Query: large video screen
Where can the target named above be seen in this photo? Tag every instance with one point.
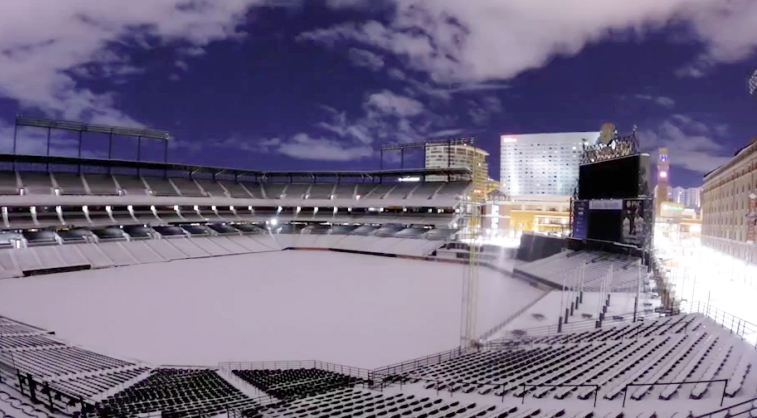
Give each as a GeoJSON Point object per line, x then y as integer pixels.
{"type": "Point", "coordinates": [622, 178]}
{"type": "Point", "coordinates": [625, 221]}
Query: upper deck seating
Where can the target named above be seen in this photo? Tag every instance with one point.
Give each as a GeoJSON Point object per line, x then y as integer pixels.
{"type": "Point", "coordinates": [161, 186]}
{"type": "Point", "coordinates": [236, 190]}
{"type": "Point", "coordinates": [275, 190]}
{"type": "Point", "coordinates": [295, 191]}
{"type": "Point", "coordinates": [320, 191]}
{"type": "Point", "coordinates": [380, 191]}
{"type": "Point", "coordinates": [187, 187]}
{"type": "Point", "coordinates": [426, 190]}
{"type": "Point", "coordinates": [212, 187]}
{"type": "Point", "coordinates": [36, 182]}
{"type": "Point", "coordinates": [8, 183]}
{"type": "Point", "coordinates": [132, 185]}
{"type": "Point", "coordinates": [364, 189]}
{"type": "Point", "coordinates": [70, 184]}
{"type": "Point", "coordinates": [454, 188]}
{"type": "Point", "coordinates": [344, 191]}
{"type": "Point", "coordinates": [402, 190]}
{"type": "Point", "coordinates": [101, 184]}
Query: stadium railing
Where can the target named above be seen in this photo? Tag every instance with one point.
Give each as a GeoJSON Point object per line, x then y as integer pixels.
{"type": "Point", "coordinates": [742, 328]}
{"type": "Point", "coordinates": [735, 410]}
{"type": "Point", "coordinates": [412, 365]}
{"type": "Point", "coordinates": [576, 326]}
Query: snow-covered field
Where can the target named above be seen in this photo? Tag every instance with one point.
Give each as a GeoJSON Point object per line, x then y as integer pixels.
{"type": "Point", "coordinates": [358, 310]}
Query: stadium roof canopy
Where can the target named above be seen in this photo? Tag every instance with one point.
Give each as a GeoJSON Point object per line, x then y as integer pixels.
{"type": "Point", "coordinates": [6, 159]}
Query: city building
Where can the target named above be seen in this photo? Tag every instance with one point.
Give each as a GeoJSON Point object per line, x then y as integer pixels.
{"type": "Point", "coordinates": [675, 194]}
{"type": "Point", "coordinates": [692, 198]}
{"type": "Point", "coordinates": [753, 85]}
{"type": "Point", "coordinates": [726, 204]}
{"type": "Point", "coordinates": [507, 217]}
{"type": "Point", "coordinates": [460, 156]}
{"type": "Point", "coordinates": [662, 190]}
{"type": "Point", "coordinates": [542, 164]}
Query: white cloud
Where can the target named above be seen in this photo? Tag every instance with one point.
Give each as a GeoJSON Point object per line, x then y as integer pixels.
{"type": "Point", "coordinates": [446, 133]}
{"type": "Point", "coordinates": [397, 74]}
{"type": "Point", "coordinates": [391, 103]}
{"type": "Point", "coordinates": [304, 147]}
{"type": "Point", "coordinates": [481, 111]}
{"type": "Point", "coordinates": [182, 64]}
{"type": "Point", "coordinates": [665, 101]}
{"type": "Point", "coordinates": [45, 44]}
{"type": "Point", "coordinates": [479, 40]}
{"type": "Point", "coordinates": [364, 58]}
{"type": "Point", "coordinates": [660, 100]}
{"type": "Point", "coordinates": [691, 144]}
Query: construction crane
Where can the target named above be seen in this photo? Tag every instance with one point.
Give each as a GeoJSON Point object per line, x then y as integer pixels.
{"type": "Point", "coordinates": [473, 208]}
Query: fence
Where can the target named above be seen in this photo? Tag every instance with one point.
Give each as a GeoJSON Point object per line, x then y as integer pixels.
{"type": "Point", "coordinates": [735, 410]}
{"type": "Point", "coordinates": [412, 365]}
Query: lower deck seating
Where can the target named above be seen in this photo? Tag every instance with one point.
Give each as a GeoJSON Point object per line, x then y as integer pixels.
{"type": "Point", "coordinates": [87, 387]}
{"type": "Point", "coordinates": [348, 403]}
{"type": "Point", "coordinates": [179, 391]}
{"type": "Point", "coordinates": [297, 383]}
{"type": "Point", "coordinates": [53, 361]}
{"type": "Point", "coordinates": [680, 348]}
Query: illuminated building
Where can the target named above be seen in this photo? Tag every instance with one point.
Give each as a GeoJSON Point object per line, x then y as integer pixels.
{"type": "Point", "coordinates": [663, 179]}
{"type": "Point", "coordinates": [542, 164]}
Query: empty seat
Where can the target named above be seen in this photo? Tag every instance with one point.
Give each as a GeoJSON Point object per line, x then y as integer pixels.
{"type": "Point", "coordinates": [274, 190]}
{"type": "Point", "coordinates": [8, 183]}
{"type": "Point", "coordinates": [101, 184]}
{"type": "Point", "coordinates": [236, 189]}
{"type": "Point", "coordinates": [133, 185]}
{"type": "Point", "coordinates": [37, 182]}
{"type": "Point", "coordinates": [212, 187]}
{"type": "Point", "coordinates": [187, 187]}
{"type": "Point", "coordinates": [161, 186]}
{"type": "Point", "coordinates": [320, 191]}
{"type": "Point", "coordinates": [70, 184]}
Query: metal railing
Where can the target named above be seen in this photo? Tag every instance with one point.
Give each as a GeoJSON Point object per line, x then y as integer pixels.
{"type": "Point", "coordinates": [744, 329]}
{"type": "Point", "coordinates": [576, 326]}
{"type": "Point", "coordinates": [734, 410]}
{"type": "Point", "coordinates": [415, 364]}
{"type": "Point", "coordinates": [722, 397]}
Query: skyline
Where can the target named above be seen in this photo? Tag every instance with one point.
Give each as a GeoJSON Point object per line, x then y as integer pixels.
{"type": "Point", "coordinates": [323, 84]}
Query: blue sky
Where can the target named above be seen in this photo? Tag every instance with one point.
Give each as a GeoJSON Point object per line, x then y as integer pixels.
{"type": "Point", "coordinates": [297, 84]}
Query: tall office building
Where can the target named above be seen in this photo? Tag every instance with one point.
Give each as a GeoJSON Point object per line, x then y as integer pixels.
{"type": "Point", "coordinates": [675, 194]}
{"type": "Point", "coordinates": [542, 164]}
{"type": "Point", "coordinates": [753, 85]}
{"type": "Point", "coordinates": [459, 156]}
{"type": "Point", "coordinates": [663, 181]}
{"type": "Point", "coordinates": [692, 197]}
